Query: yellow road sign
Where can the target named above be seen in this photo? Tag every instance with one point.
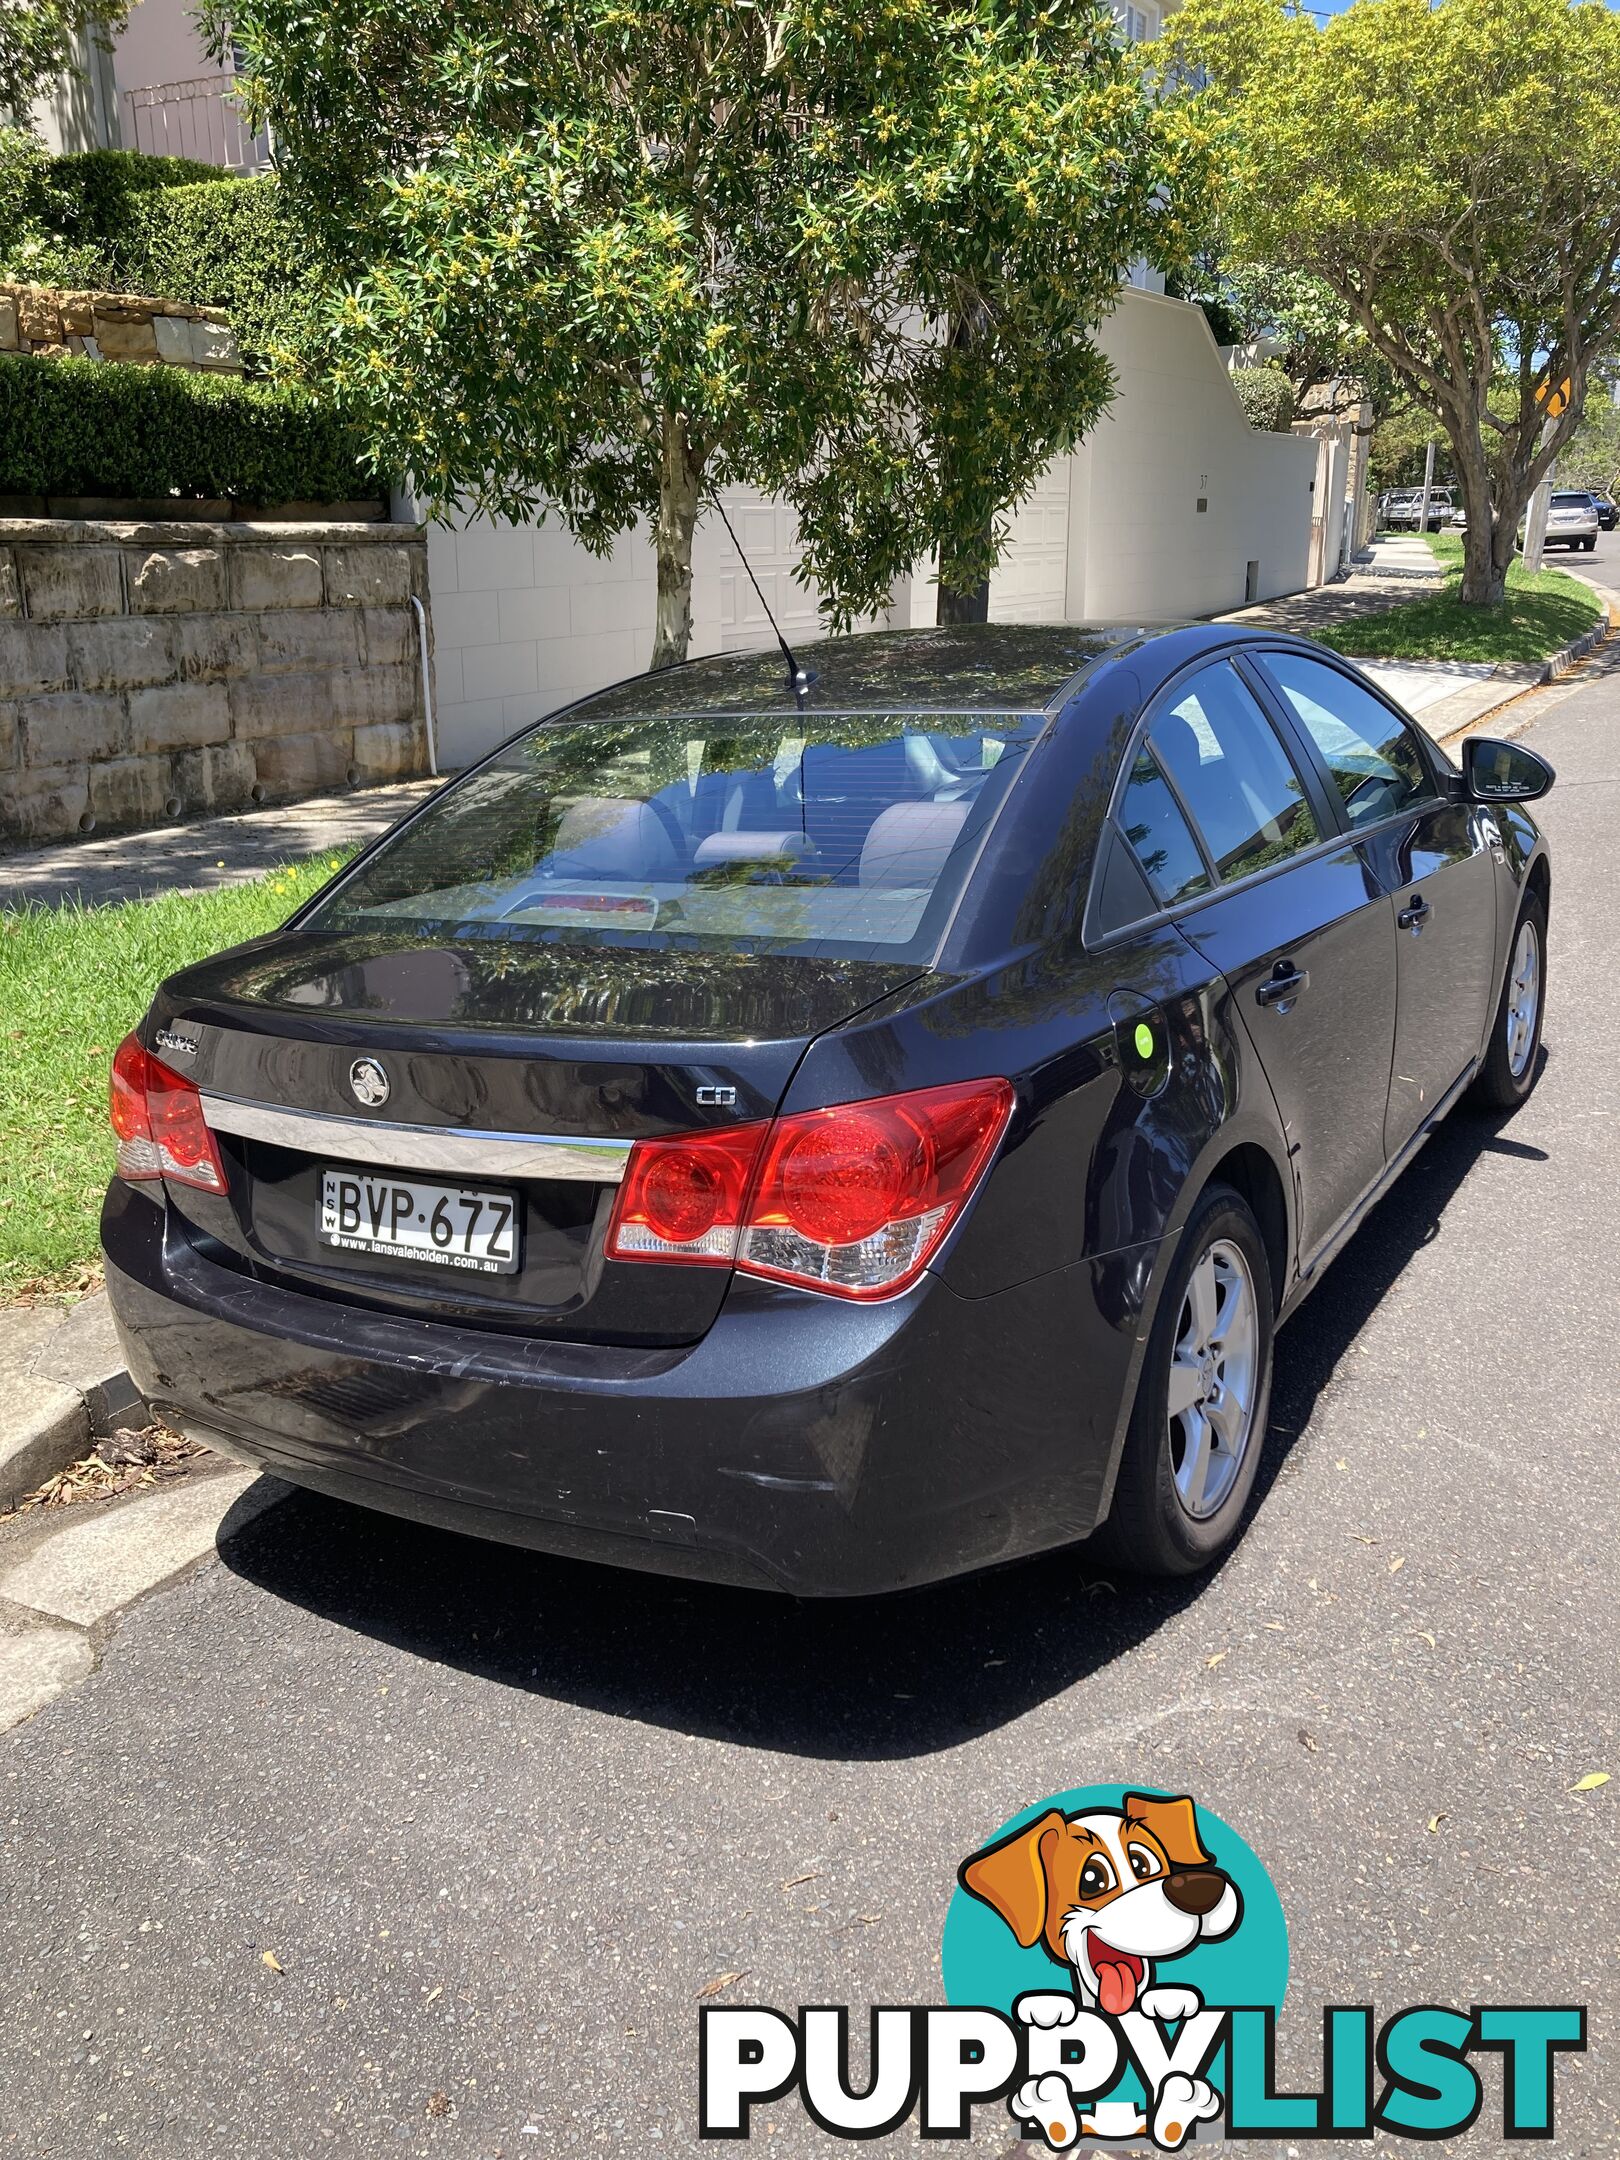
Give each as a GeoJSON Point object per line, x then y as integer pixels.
{"type": "Point", "coordinates": [1554, 403]}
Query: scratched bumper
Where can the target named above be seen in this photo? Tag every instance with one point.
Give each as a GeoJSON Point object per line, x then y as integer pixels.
{"type": "Point", "coordinates": [802, 1444]}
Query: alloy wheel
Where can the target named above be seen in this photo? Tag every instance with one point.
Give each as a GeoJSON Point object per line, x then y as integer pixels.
{"type": "Point", "coordinates": [1213, 1371]}
{"type": "Point", "coordinates": [1523, 999]}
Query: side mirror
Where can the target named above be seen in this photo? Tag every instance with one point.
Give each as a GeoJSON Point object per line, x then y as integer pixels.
{"type": "Point", "coordinates": [1496, 772]}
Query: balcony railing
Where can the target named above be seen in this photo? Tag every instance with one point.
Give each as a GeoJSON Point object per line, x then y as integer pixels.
{"type": "Point", "coordinates": [198, 119]}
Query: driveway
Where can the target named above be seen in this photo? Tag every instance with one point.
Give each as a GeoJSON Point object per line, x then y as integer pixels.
{"type": "Point", "coordinates": [366, 1840]}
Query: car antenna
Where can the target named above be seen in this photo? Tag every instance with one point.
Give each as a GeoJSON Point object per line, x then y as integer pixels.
{"type": "Point", "coordinates": [799, 679]}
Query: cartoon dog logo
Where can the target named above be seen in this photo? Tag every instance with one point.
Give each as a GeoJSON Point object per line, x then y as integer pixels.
{"type": "Point", "coordinates": [1111, 1894]}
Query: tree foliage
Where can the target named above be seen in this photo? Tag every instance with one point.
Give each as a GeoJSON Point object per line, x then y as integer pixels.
{"type": "Point", "coordinates": [39, 40]}
{"type": "Point", "coordinates": [1451, 174]}
{"type": "Point", "coordinates": [1592, 458]}
{"type": "Point", "coordinates": [600, 258]}
{"type": "Point", "coordinates": [1313, 336]}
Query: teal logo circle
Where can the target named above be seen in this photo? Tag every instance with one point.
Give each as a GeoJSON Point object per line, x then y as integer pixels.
{"type": "Point", "coordinates": [983, 1961]}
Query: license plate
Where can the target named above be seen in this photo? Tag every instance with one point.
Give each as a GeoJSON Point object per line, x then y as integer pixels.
{"type": "Point", "coordinates": [454, 1226]}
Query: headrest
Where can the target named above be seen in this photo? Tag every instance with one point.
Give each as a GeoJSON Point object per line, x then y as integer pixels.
{"type": "Point", "coordinates": [723, 847]}
{"type": "Point", "coordinates": [609, 836]}
{"type": "Point", "coordinates": [909, 842]}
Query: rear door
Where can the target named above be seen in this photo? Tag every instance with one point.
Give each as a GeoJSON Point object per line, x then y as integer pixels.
{"type": "Point", "coordinates": [1431, 855]}
{"type": "Point", "coordinates": [1296, 922]}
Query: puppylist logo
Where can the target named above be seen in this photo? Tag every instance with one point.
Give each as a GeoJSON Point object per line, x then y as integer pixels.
{"type": "Point", "coordinates": [1114, 1962]}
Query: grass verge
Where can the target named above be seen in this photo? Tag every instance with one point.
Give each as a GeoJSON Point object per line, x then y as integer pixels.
{"type": "Point", "coordinates": [1540, 615]}
{"type": "Point", "coordinates": [73, 982]}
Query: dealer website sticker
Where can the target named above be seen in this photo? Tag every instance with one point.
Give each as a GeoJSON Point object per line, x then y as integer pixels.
{"type": "Point", "coordinates": [1114, 1963]}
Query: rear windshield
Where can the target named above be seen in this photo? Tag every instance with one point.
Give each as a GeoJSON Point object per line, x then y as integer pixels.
{"type": "Point", "coordinates": [1572, 502]}
{"type": "Point", "coordinates": [818, 834]}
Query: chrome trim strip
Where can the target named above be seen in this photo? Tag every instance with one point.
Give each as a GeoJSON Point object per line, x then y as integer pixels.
{"type": "Point", "coordinates": [422, 1147]}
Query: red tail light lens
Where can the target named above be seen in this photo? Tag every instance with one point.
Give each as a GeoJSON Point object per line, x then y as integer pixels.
{"type": "Point", "coordinates": [158, 1120]}
{"type": "Point", "coordinates": [853, 1200]}
{"type": "Point", "coordinates": [683, 1199]}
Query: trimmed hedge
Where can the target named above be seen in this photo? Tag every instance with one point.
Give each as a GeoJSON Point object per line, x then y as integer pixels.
{"type": "Point", "coordinates": [228, 244]}
{"type": "Point", "coordinates": [84, 427]}
{"type": "Point", "coordinates": [91, 196]}
{"type": "Point", "coordinates": [1267, 398]}
{"type": "Point", "coordinates": [123, 222]}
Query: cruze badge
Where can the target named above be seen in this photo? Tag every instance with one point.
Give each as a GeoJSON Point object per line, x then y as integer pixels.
{"type": "Point", "coordinates": [369, 1082]}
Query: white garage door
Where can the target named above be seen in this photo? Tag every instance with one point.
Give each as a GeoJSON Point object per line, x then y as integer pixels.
{"type": "Point", "coordinates": [769, 535]}
{"type": "Point", "coordinates": [1031, 580]}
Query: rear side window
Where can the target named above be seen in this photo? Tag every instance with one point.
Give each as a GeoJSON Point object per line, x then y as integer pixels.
{"type": "Point", "coordinates": [848, 834]}
{"type": "Point", "coordinates": [1159, 836]}
{"type": "Point", "coordinates": [1232, 773]}
{"type": "Point", "coordinates": [1374, 761]}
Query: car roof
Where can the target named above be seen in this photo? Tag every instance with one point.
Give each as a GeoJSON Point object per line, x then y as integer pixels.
{"type": "Point", "coordinates": [977, 667]}
{"type": "Point", "coordinates": [1027, 668]}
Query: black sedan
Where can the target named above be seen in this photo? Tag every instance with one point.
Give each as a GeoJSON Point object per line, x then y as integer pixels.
{"type": "Point", "coordinates": [832, 1137]}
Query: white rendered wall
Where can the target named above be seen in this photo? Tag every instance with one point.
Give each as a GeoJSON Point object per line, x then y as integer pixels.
{"type": "Point", "coordinates": [1140, 549]}
{"type": "Point", "coordinates": [525, 619]}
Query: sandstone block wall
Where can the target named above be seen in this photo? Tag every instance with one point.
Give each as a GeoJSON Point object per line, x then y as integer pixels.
{"type": "Point", "coordinates": [155, 671]}
{"type": "Point", "coordinates": [117, 326]}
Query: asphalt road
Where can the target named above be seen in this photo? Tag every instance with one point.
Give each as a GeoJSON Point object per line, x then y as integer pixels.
{"type": "Point", "coordinates": [498, 1821]}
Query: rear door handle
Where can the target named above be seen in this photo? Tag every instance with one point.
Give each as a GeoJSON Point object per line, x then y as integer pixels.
{"type": "Point", "coordinates": [1415, 914]}
{"type": "Point", "coordinates": [1283, 984]}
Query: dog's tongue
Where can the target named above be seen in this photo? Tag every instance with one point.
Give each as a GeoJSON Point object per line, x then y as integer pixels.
{"type": "Point", "coordinates": [1116, 1985]}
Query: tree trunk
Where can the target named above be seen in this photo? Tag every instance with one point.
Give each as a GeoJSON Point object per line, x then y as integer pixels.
{"type": "Point", "coordinates": [956, 601]}
{"type": "Point", "coordinates": [1483, 583]}
{"type": "Point", "coordinates": [1485, 556]}
{"type": "Point", "coordinates": [953, 605]}
{"type": "Point", "coordinates": [680, 487]}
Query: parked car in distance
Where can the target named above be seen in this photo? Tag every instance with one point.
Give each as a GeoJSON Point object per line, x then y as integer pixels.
{"type": "Point", "coordinates": [1608, 510]}
{"type": "Point", "coordinates": [832, 1138]}
{"type": "Point", "coordinates": [1572, 520]}
{"type": "Point", "coordinates": [1402, 511]}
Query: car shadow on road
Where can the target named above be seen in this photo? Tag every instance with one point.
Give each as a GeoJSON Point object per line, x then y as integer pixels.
{"type": "Point", "coordinates": [862, 1680]}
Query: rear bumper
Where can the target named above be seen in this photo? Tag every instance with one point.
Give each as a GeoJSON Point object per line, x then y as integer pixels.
{"type": "Point", "coordinates": [802, 1444]}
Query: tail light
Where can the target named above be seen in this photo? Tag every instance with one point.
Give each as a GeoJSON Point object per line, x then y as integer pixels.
{"type": "Point", "coordinates": [854, 1200]}
{"type": "Point", "coordinates": [158, 1119]}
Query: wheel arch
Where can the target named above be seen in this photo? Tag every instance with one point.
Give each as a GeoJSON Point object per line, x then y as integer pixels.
{"type": "Point", "coordinates": [1254, 1176]}
{"type": "Point", "coordinates": [1255, 1165]}
{"type": "Point", "coordinates": [1538, 879]}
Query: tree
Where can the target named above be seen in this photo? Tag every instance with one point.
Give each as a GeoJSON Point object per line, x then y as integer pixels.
{"type": "Point", "coordinates": [1451, 174]}
{"type": "Point", "coordinates": [38, 40]}
{"type": "Point", "coordinates": [600, 258]}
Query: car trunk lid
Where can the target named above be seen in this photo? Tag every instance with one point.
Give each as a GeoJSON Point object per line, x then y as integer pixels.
{"type": "Point", "coordinates": [516, 1073]}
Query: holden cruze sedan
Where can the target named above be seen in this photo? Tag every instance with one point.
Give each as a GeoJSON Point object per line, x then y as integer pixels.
{"type": "Point", "coordinates": [832, 1137]}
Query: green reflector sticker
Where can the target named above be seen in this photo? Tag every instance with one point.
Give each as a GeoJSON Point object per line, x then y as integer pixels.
{"type": "Point", "coordinates": [1144, 1039]}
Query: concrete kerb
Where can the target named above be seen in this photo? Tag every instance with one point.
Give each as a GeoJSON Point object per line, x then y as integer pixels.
{"type": "Point", "coordinates": [63, 1384]}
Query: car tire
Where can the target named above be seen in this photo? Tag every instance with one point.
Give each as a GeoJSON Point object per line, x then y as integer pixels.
{"type": "Point", "coordinates": [1509, 1071]}
{"type": "Point", "coordinates": [1589, 545]}
{"type": "Point", "coordinates": [1159, 1524]}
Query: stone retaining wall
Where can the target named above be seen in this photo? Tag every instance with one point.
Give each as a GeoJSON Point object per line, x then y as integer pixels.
{"type": "Point", "coordinates": [155, 671]}
{"type": "Point", "coordinates": [130, 327]}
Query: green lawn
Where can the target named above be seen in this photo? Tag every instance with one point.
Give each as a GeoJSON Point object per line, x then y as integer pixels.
{"type": "Point", "coordinates": [1540, 614]}
{"type": "Point", "coordinates": [73, 982]}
